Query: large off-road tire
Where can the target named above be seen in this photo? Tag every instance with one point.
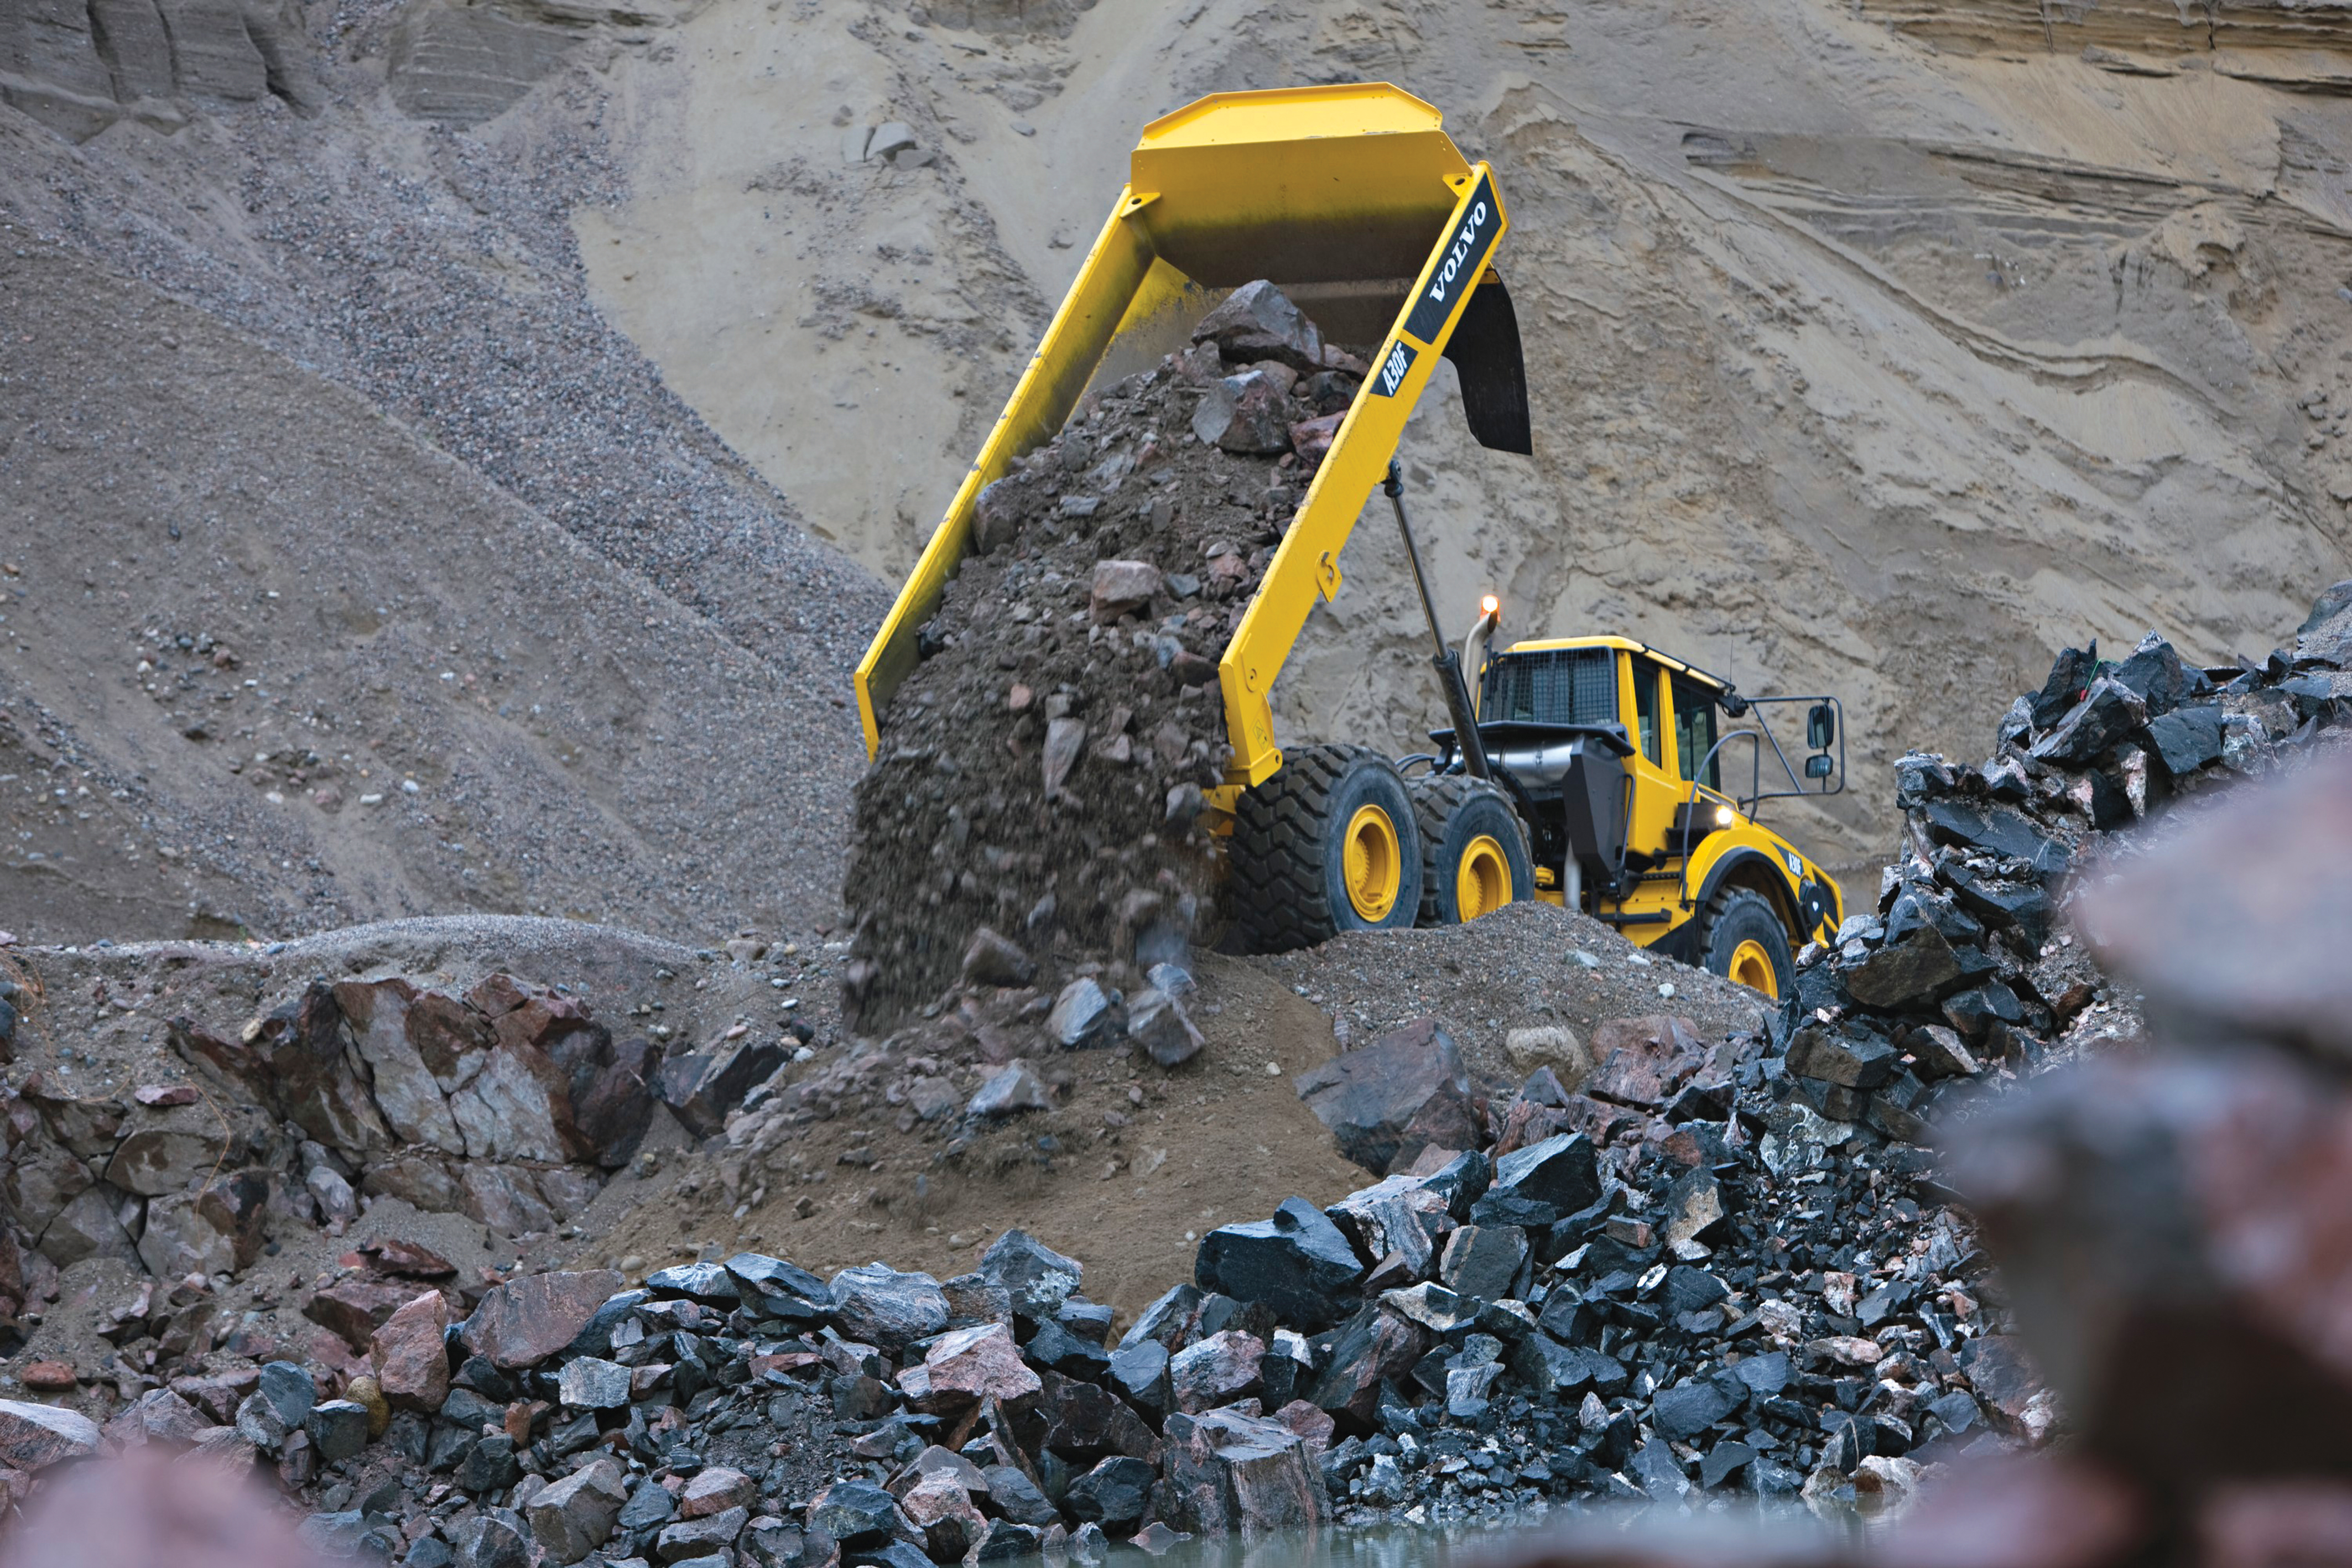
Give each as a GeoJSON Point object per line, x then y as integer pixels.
{"type": "Point", "coordinates": [1325, 845]}
{"type": "Point", "coordinates": [1474, 850]}
{"type": "Point", "coordinates": [1744, 942]}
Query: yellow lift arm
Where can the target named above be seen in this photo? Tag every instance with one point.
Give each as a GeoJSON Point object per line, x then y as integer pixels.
{"type": "Point", "coordinates": [1352, 185]}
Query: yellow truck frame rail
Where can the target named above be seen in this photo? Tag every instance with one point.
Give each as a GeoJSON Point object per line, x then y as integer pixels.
{"type": "Point", "coordinates": [1354, 184]}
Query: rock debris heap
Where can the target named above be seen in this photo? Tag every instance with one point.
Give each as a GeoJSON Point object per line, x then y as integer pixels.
{"type": "Point", "coordinates": [1963, 970]}
{"type": "Point", "coordinates": [1040, 770]}
{"type": "Point", "coordinates": [508, 1104]}
{"type": "Point", "coordinates": [2171, 1226]}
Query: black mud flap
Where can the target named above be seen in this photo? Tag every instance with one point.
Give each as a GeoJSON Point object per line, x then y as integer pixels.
{"type": "Point", "coordinates": [1484, 349]}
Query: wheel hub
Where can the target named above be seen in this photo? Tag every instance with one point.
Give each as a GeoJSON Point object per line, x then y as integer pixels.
{"type": "Point", "coordinates": [1751, 966]}
{"type": "Point", "coordinates": [1482, 883]}
{"type": "Point", "coordinates": [1371, 864]}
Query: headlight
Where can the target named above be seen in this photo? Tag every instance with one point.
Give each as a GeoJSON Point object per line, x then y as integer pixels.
{"type": "Point", "coordinates": [1725, 816]}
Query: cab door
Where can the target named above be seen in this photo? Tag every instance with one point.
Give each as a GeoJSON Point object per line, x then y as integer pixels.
{"type": "Point", "coordinates": [1654, 768]}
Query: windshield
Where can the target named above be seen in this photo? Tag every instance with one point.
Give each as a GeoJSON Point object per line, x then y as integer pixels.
{"type": "Point", "coordinates": [1563, 686]}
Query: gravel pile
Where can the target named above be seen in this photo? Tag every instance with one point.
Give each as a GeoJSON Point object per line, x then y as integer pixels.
{"type": "Point", "coordinates": [1040, 770]}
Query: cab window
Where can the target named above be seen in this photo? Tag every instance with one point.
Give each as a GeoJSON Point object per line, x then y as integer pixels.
{"type": "Point", "coordinates": [1695, 732]}
{"type": "Point", "coordinates": [1645, 705]}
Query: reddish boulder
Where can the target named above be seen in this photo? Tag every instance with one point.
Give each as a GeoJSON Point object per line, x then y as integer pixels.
{"type": "Point", "coordinates": [531, 1318]}
{"type": "Point", "coordinates": [410, 1355]}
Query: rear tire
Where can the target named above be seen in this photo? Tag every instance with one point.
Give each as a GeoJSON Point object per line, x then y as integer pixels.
{"type": "Point", "coordinates": [1325, 845]}
{"type": "Point", "coordinates": [1747, 943]}
{"type": "Point", "coordinates": [1473, 850]}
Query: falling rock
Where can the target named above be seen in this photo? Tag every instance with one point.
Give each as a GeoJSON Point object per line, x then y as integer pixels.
{"type": "Point", "coordinates": [2109, 711]}
{"type": "Point", "coordinates": [1404, 1092]}
{"type": "Point", "coordinates": [1013, 1494]}
{"type": "Point", "coordinates": [90, 1226]}
{"type": "Point", "coordinates": [531, 1318]}
{"type": "Point", "coordinates": [1258, 321]}
{"type": "Point", "coordinates": [576, 1515]}
{"type": "Point", "coordinates": [1694, 1210]}
{"type": "Point", "coordinates": [875, 1304]}
{"type": "Point", "coordinates": [993, 960]}
{"type": "Point", "coordinates": [712, 1284]}
{"type": "Point", "coordinates": [1084, 1015]}
{"type": "Point", "coordinates": [1158, 1022]}
{"type": "Point", "coordinates": [703, 1087]}
{"type": "Point", "coordinates": [1295, 1262]}
{"type": "Point", "coordinates": [1064, 739]}
{"type": "Point", "coordinates": [1123, 588]}
{"type": "Point", "coordinates": [356, 1308]}
{"type": "Point", "coordinates": [1010, 1089]}
{"type": "Point", "coordinates": [1244, 414]}
{"type": "Point", "coordinates": [1217, 1370]}
{"type": "Point", "coordinates": [1037, 1278]}
{"type": "Point", "coordinates": [410, 1355]}
{"type": "Point", "coordinates": [587, 1383]}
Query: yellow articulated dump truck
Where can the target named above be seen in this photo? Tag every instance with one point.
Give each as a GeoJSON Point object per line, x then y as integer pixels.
{"type": "Point", "coordinates": [1587, 771]}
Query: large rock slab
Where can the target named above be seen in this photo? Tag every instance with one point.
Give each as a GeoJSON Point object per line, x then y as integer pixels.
{"type": "Point", "coordinates": [406, 1090]}
{"type": "Point", "coordinates": [531, 1318]}
{"type": "Point", "coordinates": [1297, 1262]}
{"type": "Point", "coordinates": [35, 1436]}
{"type": "Point", "coordinates": [1404, 1092]}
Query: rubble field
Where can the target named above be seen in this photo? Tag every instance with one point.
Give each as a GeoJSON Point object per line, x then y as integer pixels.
{"type": "Point", "coordinates": [1636, 1257]}
{"type": "Point", "coordinates": [1040, 772]}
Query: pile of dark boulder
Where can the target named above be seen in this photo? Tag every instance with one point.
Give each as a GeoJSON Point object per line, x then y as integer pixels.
{"type": "Point", "coordinates": [1964, 969]}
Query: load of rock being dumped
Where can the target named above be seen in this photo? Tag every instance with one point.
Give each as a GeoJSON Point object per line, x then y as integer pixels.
{"type": "Point", "coordinates": [1040, 771]}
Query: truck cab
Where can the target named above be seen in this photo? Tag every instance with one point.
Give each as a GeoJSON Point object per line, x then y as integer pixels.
{"type": "Point", "coordinates": [1614, 754]}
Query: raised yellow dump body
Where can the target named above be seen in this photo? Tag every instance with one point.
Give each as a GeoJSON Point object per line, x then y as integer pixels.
{"type": "Point", "coordinates": [1354, 185]}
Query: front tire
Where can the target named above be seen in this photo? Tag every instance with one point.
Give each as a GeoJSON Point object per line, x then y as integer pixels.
{"type": "Point", "coordinates": [1474, 851]}
{"type": "Point", "coordinates": [1327, 844]}
{"type": "Point", "coordinates": [1747, 943]}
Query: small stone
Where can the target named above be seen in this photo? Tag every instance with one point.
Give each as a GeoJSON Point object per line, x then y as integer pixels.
{"type": "Point", "coordinates": [1015, 1496]}
{"type": "Point", "coordinates": [1037, 1278]}
{"type": "Point", "coordinates": [1084, 1015]}
{"type": "Point", "coordinates": [49, 1377]}
{"type": "Point", "coordinates": [365, 1391]}
{"type": "Point", "coordinates": [573, 1516]}
{"type": "Point", "coordinates": [1010, 1089]}
{"type": "Point", "coordinates": [1115, 1492]}
{"type": "Point", "coordinates": [289, 1391]}
{"type": "Point", "coordinates": [994, 960]}
{"type": "Point", "coordinates": [1484, 1262]}
{"type": "Point", "coordinates": [1217, 1370]}
{"type": "Point", "coordinates": [856, 1514]}
{"type": "Point", "coordinates": [968, 1365]}
{"type": "Point", "coordinates": [338, 1429]}
{"type": "Point", "coordinates": [877, 1305]}
{"type": "Point", "coordinates": [1157, 1022]}
{"type": "Point", "coordinates": [707, 1536]}
{"type": "Point", "coordinates": [714, 1490]}
{"type": "Point", "coordinates": [410, 1354]}
{"type": "Point", "coordinates": [588, 1383]}
{"type": "Point", "coordinates": [1123, 588]}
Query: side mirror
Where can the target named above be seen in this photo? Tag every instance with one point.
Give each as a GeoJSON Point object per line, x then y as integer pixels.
{"type": "Point", "coordinates": [1820, 729]}
{"type": "Point", "coordinates": [1819, 766]}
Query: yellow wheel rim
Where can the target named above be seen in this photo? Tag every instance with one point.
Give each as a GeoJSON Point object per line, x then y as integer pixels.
{"type": "Point", "coordinates": [1482, 883]}
{"type": "Point", "coordinates": [1371, 863]}
{"type": "Point", "coordinates": [1751, 966]}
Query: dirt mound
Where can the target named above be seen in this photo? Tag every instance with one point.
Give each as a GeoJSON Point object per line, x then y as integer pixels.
{"type": "Point", "coordinates": [1040, 770]}
{"type": "Point", "coordinates": [278, 665]}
